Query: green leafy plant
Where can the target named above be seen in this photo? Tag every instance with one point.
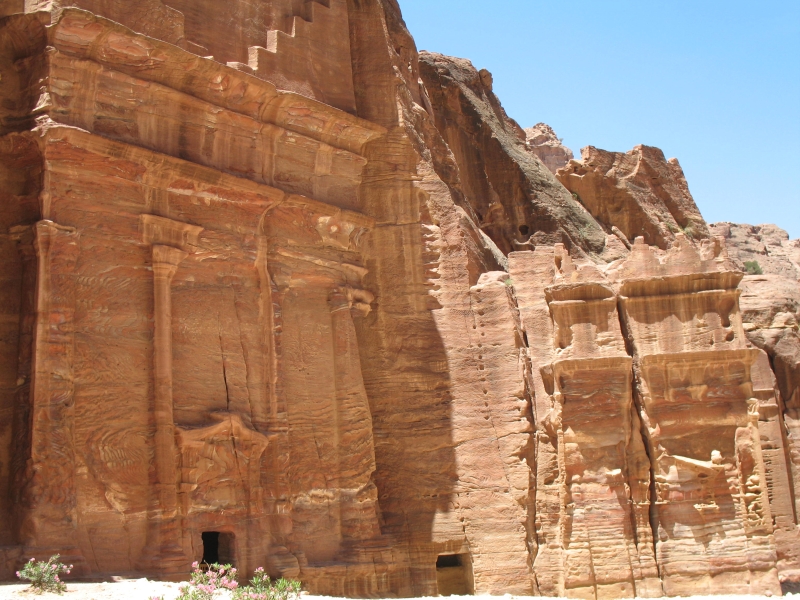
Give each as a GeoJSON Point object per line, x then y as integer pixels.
{"type": "Point", "coordinates": [751, 267]}
{"type": "Point", "coordinates": [45, 576]}
{"type": "Point", "coordinates": [262, 588]}
{"type": "Point", "coordinates": [207, 580]}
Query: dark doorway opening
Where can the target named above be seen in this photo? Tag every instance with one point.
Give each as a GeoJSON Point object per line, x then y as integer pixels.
{"type": "Point", "coordinates": [454, 575]}
{"type": "Point", "coordinates": [218, 547]}
{"type": "Point", "coordinates": [791, 587]}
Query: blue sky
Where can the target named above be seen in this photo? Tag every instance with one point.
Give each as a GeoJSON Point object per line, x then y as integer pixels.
{"type": "Point", "coordinates": [715, 83]}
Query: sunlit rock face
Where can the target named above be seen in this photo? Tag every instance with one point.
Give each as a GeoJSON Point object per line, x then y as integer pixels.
{"type": "Point", "coordinates": [277, 290]}
{"type": "Point", "coordinates": [639, 192]}
{"type": "Point", "coordinates": [544, 143]}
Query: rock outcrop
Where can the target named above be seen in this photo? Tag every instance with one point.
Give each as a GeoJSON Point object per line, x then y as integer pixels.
{"type": "Point", "coordinates": [639, 192]}
{"type": "Point", "coordinates": [545, 144]}
{"type": "Point", "coordinates": [509, 193]}
{"type": "Point", "coordinates": [279, 291]}
{"type": "Point", "coordinates": [771, 311]}
{"type": "Point", "coordinates": [764, 248]}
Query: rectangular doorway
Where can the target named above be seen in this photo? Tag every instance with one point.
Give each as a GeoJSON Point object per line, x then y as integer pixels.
{"type": "Point", "coordinates": [454, 575]}
{"type": "Point", "coordinates": [219, 547]}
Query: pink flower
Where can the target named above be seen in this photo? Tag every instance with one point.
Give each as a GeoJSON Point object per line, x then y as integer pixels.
{"type": "Point", "coordinates": [195, 564]}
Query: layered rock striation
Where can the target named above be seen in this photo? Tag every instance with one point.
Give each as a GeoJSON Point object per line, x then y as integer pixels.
{"type": "Point", "coordinates": [277, 290]}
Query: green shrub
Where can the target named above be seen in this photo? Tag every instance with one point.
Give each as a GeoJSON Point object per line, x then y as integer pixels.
{"type": "Point", "coordinates": [262, 588]}
{"type": "Point", "coordinates": [206, 582]}
{"type": "Point", "coordinates": [45, 576]}
{"type": "Point", "coordinates": [751, 267]}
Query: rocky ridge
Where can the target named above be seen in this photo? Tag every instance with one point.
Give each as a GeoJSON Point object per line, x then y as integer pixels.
{"type": "Point", "coordinates": [545, 144]}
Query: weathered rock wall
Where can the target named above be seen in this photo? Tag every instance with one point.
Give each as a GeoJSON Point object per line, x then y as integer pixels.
{"type": "Point", "coordinates": [513, 197]}
{"type": "Point", "coordinates": [545, 144]}
{"type": "Point", "coordinates": [771, 312]}
{"type": "Point", "coordinates": [638, 192]}
{"type": "Point", "coordinates": [430, 372]}
{"type": "Point", "coordinates": [300, 45]}
{"type": "Point", "coordinates": [344, 319]}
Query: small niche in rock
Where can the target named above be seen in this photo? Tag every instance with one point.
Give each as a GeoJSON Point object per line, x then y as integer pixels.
{"type": "Point", "coordinates": [454, 575]}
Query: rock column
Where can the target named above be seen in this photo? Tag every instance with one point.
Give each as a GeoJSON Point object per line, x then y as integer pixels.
{"type": "Point", "coordinates": [163, 552]}
{"type": "Point", "coordinates": [165, 264]}
{"type": "Point", "coordinates": [355, 445]}
{"type": "Point", "coordinates": [50, 523]}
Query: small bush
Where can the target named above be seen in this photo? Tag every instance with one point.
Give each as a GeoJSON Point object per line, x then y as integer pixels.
{"type": "Point", "coordinates": [751, 267]}
{"type": "Point", "coordinates": [204, 583]}
{"type": "Point", "coordinates": [261, 588]}
{"type": "Point", "coordinates": [45, 576]}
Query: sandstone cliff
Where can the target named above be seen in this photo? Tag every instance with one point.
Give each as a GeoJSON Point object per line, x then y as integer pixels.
{"type": "Point", "coordinates": [545, 144]}
{"type": "Point", "coordinates": [771, 311]}
{"type": "Point", "coordinates": [770, 294]}
{"type": "Point", "coordinates": [513, 197]}
{"type": "Point", "coordinates": [639, 192]}
{"type": "Point", "coordinates": [280, 291]}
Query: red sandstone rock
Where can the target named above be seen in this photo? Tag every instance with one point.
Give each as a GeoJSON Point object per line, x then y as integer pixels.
{"type": "Point", "coordinates": [275, 300]}
{"type": "Point", "coordinates": [771, 310]}
{"type": "Point", "coordinates": [640, 192]}
{"type": "Point", "coordinates": [511, 195]}
{"type": "Point", "coordinates": [767, 245]}
{"type": "Point", "coordinates": [544, 143]}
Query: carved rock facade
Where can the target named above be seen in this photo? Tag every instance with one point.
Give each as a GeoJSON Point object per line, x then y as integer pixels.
{"type": "Point", "coordinates": [277, 290]}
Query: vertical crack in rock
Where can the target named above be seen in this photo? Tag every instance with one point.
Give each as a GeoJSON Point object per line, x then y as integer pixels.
{"type": "Point", "coordinates": [223, 361]}
{"type": "Point", "coordinates": [636, 406]}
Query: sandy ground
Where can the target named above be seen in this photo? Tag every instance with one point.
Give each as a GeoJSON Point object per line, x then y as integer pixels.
{"type": "Point", "coordinates": [142, 589]}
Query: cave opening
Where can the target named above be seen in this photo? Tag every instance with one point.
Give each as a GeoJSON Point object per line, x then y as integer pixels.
{"type": "Point", "coordinates": [454, 575]}
{"type": "Point", "coordinates": [218, 547]}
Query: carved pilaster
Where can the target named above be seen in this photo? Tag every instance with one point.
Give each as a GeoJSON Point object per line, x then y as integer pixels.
{"type": "Point", "coordinates": [165, 264]}
{"type": "Point", "coordinates": [355, 446]}
{"type": "Point", "coordinates": [171, 242]}
{"type": "Point", "coordinates": [24, 238]}
{"type": "Point", "coordinates": [265, 413]}
{"type": "Point", "coordinates": [49, 524]}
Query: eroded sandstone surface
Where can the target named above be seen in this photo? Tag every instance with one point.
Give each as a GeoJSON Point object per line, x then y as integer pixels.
{"type": "Point", "coordinates": [639, 192]}
{"type": "Point", "coordinates": [545, 144]}
{"type": "Point", "coordinates": [280, 291]}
